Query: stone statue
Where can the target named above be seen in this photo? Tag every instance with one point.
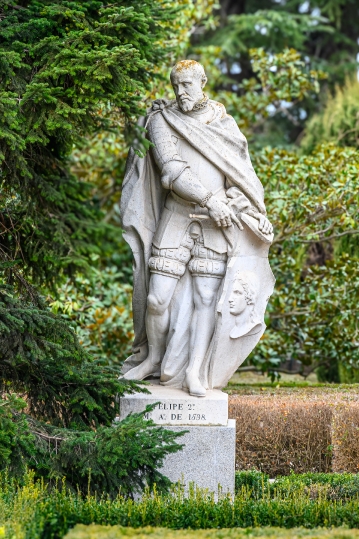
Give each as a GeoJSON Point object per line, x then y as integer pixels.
{"type": "Point", "coordinates": [193, 213]}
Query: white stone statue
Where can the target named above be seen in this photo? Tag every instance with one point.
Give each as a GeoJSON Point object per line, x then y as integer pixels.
{"type": "Point", "coordinates": [193, 213]}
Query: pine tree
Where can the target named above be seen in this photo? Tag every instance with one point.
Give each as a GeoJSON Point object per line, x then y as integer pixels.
{"type": "Point", "coordinates": [68, 70]}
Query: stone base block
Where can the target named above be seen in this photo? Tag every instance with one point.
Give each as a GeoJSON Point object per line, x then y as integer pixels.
{"type": "Point", "coordinates": [176, 407]}
{"type": "Point", "coordinates": [208, 458]}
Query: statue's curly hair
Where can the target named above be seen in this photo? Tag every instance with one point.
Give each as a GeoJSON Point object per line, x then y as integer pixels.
{"type": "Point", "coordinates": [190, 65]}
{"type": "Point", "coordinates": [250, 285]}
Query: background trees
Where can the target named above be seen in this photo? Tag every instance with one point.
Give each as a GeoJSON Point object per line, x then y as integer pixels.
{"type": "Point", "coordinates": [284, 101]}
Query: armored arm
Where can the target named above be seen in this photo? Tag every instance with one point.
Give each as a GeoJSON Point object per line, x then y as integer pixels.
{"type": "Point", "coordinates": [176, 173]}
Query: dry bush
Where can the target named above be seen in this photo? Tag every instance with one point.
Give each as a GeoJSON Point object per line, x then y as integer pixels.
{"type": "Point", "coordinates": [280, 434]}
{"type": "Point", "coordinates": [345, 437]}
{"type": "Point", "coordinates": [310, 431]}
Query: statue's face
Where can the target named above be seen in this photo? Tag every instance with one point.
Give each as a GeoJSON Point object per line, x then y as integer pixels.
{"type": "Point", "coordinates": [237, 299]}
{"type": "Point", "coordinates": [188, 88]}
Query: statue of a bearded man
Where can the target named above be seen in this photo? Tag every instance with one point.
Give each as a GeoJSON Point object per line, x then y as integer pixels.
{"type": "Point", "coordinates": [193, 213]}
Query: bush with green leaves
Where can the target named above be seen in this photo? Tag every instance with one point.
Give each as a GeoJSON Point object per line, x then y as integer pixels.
{"type": "Point", "coordinates": [312, 200]}
{"type": "Point", "coordinates": [116, 532]}
{"type": "Point", "coordinates": [99, 306]}
{"type": "Point", "coordinates": [33, 511]}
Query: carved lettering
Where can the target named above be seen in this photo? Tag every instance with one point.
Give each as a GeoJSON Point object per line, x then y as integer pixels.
{"type": "Point", "coordinates": [197, 417]}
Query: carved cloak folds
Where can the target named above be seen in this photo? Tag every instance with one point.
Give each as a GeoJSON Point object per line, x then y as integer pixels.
{"type": "Point", "coordinates": [142, 201]}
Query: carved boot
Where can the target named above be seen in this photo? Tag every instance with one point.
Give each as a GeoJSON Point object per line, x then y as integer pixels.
{"type": "Point", "coordinates": [148, 367]}
{"type": "Point", "coordinates": [194, 386]}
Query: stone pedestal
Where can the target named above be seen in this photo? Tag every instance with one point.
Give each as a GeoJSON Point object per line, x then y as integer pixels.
{"type": "Point", "coordinates": [208, 457]}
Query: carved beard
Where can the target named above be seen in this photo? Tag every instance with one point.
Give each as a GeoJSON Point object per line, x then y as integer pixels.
{"type": "Point", "coordinates": [186, 105]}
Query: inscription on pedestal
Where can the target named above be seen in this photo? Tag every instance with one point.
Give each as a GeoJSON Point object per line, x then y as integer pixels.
{"type": "Point", "coordinates": [177, 407]}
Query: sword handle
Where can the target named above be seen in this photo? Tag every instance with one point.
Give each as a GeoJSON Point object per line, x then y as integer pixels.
{"type": "Point", "coordinates": [195, 216]}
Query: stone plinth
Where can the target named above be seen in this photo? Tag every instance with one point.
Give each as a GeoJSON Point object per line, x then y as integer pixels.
{"type": "Point", "coordinates": [176, 407]}
{"type": "Point", "coordinates": [208, 458]}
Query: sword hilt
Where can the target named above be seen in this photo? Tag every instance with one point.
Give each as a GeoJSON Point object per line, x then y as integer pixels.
{"type": "Point", "coordinates": [195, 216]}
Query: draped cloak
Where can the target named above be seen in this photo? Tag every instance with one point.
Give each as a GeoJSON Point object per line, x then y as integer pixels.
{"type": "Point", "coordinates": [142, 202]}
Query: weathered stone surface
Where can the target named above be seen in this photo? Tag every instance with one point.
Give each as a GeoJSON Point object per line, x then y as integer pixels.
{"type": "Point", "coordinates": [193, 213]}
{"type": "Point", "coordinates": [208, 458]}
{"type": "Point", "coordinates": [177, 407]}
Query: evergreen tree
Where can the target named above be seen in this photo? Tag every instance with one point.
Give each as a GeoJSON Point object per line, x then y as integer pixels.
{"type": "Point", "coordinates": [68, 70]}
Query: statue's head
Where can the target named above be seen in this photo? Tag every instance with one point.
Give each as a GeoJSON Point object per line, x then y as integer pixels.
{"type": "Point", "coordinates": [244, 292]}
{"type": "Point", "coordinates": [188, 80]}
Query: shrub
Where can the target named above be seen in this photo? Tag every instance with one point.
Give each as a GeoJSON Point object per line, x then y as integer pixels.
{"type": "Point", "coordinates": [332, 486]}
{"type": "Point", "coordinates": [283, 432]}
{"type": "Point", "coordinates": [34, 511]}
{"type": "Point", "coordinates": [117, 532]}
{"type": "Point", "coordinates": [278, 435]}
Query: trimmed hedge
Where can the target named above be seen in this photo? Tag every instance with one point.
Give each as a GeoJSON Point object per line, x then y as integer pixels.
{"type": "Point", "coordinates": [33, 511]}
{"type": "Point", "coordinates": [281, 431]}
{"type": "Point", "coordinates": [331, 486]}
{"type": "Point", "coordinates": [118, 532]}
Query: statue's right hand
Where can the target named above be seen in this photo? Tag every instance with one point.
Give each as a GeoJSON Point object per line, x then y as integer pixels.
{"type": "Point", "coordinates": [221, 213]}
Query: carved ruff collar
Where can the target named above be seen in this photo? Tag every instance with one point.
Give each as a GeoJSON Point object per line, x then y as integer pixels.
{"type": "Point", "coordinates": [201, 104]}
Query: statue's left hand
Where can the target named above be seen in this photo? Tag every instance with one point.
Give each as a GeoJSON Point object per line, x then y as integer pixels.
{"type": "Point", "coordinates": [159, 104]}
{"type": "Point", "coordinates": [264, 225]}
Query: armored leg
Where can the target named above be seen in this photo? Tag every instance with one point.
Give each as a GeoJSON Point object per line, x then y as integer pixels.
{"type": "Point", "coordinates": [208, 269]}
{"type": "Point", "coordinates": [166, 266]}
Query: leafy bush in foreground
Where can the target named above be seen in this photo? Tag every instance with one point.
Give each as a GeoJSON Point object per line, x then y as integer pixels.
{"type": "Point", "coordinates": [117, 532]}
{"type": "Point", "coordinates": [34, 511]}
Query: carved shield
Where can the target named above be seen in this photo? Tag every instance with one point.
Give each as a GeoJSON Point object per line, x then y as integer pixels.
{"type": "Point", "coordinates": [236, 333]}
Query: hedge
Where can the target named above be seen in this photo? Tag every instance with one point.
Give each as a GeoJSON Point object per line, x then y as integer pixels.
{"type": "Point", "coordinates": [118, 532]}
{"type": "Point", "coordinates": [34, 511]}
{"type": "Point", "coordinates": [279, 432]}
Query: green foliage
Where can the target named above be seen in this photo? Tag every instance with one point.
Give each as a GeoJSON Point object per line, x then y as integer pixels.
{"type": "Point", "coordinates": [42, 358]}
{"type": "Point", "coordinates": [338, 122]}
{"type": "Point", "coordinates": [123, 457]}
{"type": "Point", "coordinates": [332, 486]}
{"type": "Point", "coordinates": [312, 500]}
{"type": "Point", "coordinates": [117, 532]}
{"type": "Point", "coordinates": [279, 81]}
{"type": "Point", "coordinates": [311, 199]}
{"type": "Point", "coordinates": [274, 29]}
{"type": "Point", "coordinates": [324, 33]}
{"type": "Point", "coordinates": [67, 68]}
{"type": "Point", "coordinates": [100, 309]}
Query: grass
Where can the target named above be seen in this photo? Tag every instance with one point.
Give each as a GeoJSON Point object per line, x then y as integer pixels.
{"type": "Point", "coordinates": [235, 387]}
